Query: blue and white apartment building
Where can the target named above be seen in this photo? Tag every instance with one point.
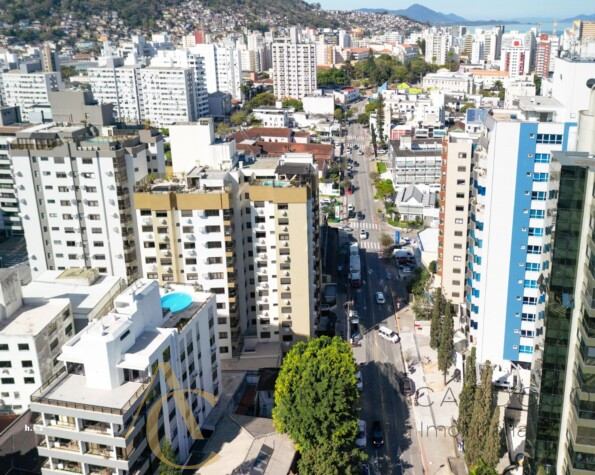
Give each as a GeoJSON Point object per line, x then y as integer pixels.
{"type": "Point", "coordinates": [512, 202]}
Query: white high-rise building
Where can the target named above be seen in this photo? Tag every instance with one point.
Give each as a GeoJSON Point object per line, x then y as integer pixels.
{"type": "Point", "coordinates": [75, 192]}
{"type": "Point", "coordinates": [516, 54]}
{"type": "Point", "coordinates": [437, 47]}
{"type": "Point", "coordinates": [509, 246]}
{"type": "Point", "coordinates": [151, 343]}
{"type": "Point", "coordinates": [118, 84]}
{"type": "Point", "coordinates": [294, 69]}
{"type": "Point", "coordinates": [26, 89]}
{"type": "Point", "coordinates": [32, 330]}
{"type": "Point", "coordinates": [223, 68]}
{"type": "Point", "coordinates": [168, 95]}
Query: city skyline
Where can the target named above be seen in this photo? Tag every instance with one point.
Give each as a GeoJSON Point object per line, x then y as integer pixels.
{"type": "Point", "coordinates": [475, 11]}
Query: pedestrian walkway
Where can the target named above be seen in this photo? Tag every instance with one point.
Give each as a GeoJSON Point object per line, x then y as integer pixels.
{"type": "Point", "coordinates": [359, 138]}
{"type": "Point", "coordinates": [437, 402]}
{"type": "Point", "coordinates": [363, 225]}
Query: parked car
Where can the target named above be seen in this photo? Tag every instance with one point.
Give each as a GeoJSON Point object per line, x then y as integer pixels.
{"type": "Point", "coordinates": [388, 335]}
{"type": "Point", "coordinates": [360, 216]}
{"type": "Point", "coordinates": [380, 298]}
{"type": "Point", "coordinates": [347, 229]}
{"type": "Point", "coordinates": [325, 201]}
{"type": "Point", "coordinates": [353, 317]}
{"type": "Point", "coordinates": [355, 164]}
{"type": "Point", "coordinates": [361, 441]}
{"type": "Point", "coordinates": [407, 386]}
{"type": "Point", "coordinates": [360, 152]}
{"type": "Point", "coordinates": [377, 434]}
{"type": "Point", "coordinates": [350, 190]}
{"type": "Point", "coordinates": [360, 381]}
{"type": "Point", "coordinates": [324, 308]}
{"type": "Point", "coordinates": [363, 234]}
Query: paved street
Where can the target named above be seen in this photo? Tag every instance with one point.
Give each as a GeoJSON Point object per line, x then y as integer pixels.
{"type": "Point", "coordinates": [408, 448]}
{"type": "Point", "coordinates": [382, 362]}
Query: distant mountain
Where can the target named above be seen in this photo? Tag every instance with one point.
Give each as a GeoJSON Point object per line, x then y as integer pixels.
{"type": "Point", "coordinates": [420, 13]}
{"type": "Point", "coordinates": [427, 15]}
{"type": "Point", "coordinates": [580, 17]}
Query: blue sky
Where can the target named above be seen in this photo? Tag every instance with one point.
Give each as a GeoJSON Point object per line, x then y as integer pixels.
{"type": "Point", "coordinates": [478, 9]}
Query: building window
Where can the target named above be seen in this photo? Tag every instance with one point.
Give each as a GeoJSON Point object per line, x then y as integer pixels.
{"type": "Point", "coordinates": [552, 139]}
{"type": "Point", "coordinates": [540, 177]}
{"type": "Point", "coordinates": [525, 349]}
{"type": "Point", "coordinates": [456, 258]}
{"type": "Point", "coordinates": [29, 380]}
{"type": "Point", "coordinates": [7, 380]}
{"type": "Point", "coordinates": [538, 232]}
{"type": "Point", "coordinates": [23, 346]}
{"type": "Point", "coordinates": [542, 158]}
{"type": "Point", "coordinates": [27, 364]}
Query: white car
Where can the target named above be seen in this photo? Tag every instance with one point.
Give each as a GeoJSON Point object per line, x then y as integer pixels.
{"type": "Point", "coordinates": [346, 229]}
{"type": "Point", "coordinates": [363, 234]}
{"type": "Point", "coordinates": [325, 201]}
{"type": "Point", "coordinates": [350, 208]}
{"type": "Point", "coordinates": [360, 152]}
{"type": "Point", "coordinates": [361, 441]}
{"type": "Point", "coordinates": [360, 381]}
{"type": "Point", "coordinates": [380, 298]}
{"type": "Point", "coordinates": [353, 317]}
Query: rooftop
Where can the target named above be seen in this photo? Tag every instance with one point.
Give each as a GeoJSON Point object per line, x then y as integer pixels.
{"type": "Point", "coordinates": [71, 390]}
{"type": "Point", "coordinates": [538, 103]}
{"type": "Point", "coordinates": [84, 297]}
{"type": "Point", "coordinates": [576, 159]}
{"type": "Point", "coordinates": [33, 317]}
{"type": "Point", "coordinates": [248, 445]}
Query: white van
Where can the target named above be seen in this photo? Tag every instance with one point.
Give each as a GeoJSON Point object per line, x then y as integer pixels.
{"type": "Point", "coordinates": [388, 334]}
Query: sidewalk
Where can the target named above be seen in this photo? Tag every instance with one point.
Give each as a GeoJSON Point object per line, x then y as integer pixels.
{"type": "Point", "coordinates": [437, 402]}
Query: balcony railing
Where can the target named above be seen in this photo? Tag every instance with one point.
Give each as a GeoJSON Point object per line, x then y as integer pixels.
{"type": "Point", "coordinates": [39, 396]}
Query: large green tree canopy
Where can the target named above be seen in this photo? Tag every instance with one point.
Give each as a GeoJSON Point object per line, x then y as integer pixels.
{"type": "Point", "coordinates": [316, 394]}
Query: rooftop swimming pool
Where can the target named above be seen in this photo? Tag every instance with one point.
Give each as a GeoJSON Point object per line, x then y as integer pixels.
{"type": "Point", "coordinates": [275, 183]}
{"type": "Point", "coordinates": [176, 301]}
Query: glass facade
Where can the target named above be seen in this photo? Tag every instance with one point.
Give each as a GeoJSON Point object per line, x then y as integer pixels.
{"type": "Point", "coordinates": [545, 410]}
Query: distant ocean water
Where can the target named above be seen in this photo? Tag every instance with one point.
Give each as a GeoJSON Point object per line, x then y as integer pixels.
{"type": "Point", "coordinates": [546, 27]}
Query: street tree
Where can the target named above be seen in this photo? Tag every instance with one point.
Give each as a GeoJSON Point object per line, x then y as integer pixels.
{"type": "Point", "coordinates": [374, 144]}
{"type": "Point", "coordinates": [493, 443]}
{"type": "Point", "coordinates": [446, 345]}
{"type": "Point", "coordinates": [386, 242]}
{"type": "Point", "coordinates": [482, 413]}
{"type": "Point", "coordinates": [467, 396]}
{"type": "Point", "coordinates": [238, 118]}
{"type": "Point", "coordinates": [315, 395]}
{"type": "Point", "coordinates": [380, 119]}
{"type": "Point", "coordinates": [436, 322]}
{"type": "Point", "coordinates": [295, 103]}
{"type": "Point", "coordinates": [363, 119]}
{"type": "Point", "coordinates": [169, 454]}
{"type": "Point", "coordinates": [223, 129]}
{"type": "Point", "coordinates": [421, 309]}
{"type": "Point", "coordinates": [324, 459]}
{"type": "Point", "coordinates": [338, 115]}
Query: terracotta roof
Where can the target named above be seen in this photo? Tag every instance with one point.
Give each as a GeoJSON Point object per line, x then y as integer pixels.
{"type": "Point", "coordinates": [303, 133]}
{"type": "Point", "coordinates": [319, 151]}
{"type": "Point", "coordinates": [255, 133]}
{"type": "Point", "coordinates": [359, 50]}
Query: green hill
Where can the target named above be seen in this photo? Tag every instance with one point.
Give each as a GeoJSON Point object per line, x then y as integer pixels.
{"type": "Point", "coordinates": [146, 13]}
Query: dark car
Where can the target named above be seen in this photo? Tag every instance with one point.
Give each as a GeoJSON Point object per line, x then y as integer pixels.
{"type": "Point", "coordinates": [351, 214]}
{"type": "Point", "coordinates": [407, 386]}
{"type": "Point", "coordinates": [377, 434]}
{"type": "Point", "coordinates": [360, 215]}
{"type": "Point", "coordinates": [356, 164]}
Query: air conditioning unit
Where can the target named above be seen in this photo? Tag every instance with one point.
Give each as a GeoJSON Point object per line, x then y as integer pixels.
{"type": "Point", "coordinates": [287, 287]}
{"type": "Point", "coordinates": [285, 228]}
{"type": "Point", "coordinates": [286, 244]}
{"type": "Point", "coordinates": [284, 213]}
{"type": "Point", "coordinates": [164, 221]}
{"type": "Point", "coordinates": [288, 302]}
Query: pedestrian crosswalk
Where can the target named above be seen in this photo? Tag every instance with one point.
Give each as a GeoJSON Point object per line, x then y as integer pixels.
{"type": "Point", "coordinates": [357, 138]}
{"type": "Point", "coordinates": [371, 245]}
{"type": "Point", "coordinates": [363, 225]}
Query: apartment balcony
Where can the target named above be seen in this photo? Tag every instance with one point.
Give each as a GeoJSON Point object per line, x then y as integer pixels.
{"type": "Point", "coordinates": [104, 451]}
{"type": "Point", "coordinates": [96, 427]}
{"type": "Point", "coordinates": [62, 466]}
{"type": "Point", "coordinates": [64, 444]}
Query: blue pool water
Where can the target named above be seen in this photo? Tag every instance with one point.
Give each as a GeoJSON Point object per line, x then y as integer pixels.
{"type": "Point", "coordinates": [176, 301]}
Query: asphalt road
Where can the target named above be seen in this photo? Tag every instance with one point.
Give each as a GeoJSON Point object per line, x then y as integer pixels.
{"type": "Point", "coordinates": [381, 398]}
